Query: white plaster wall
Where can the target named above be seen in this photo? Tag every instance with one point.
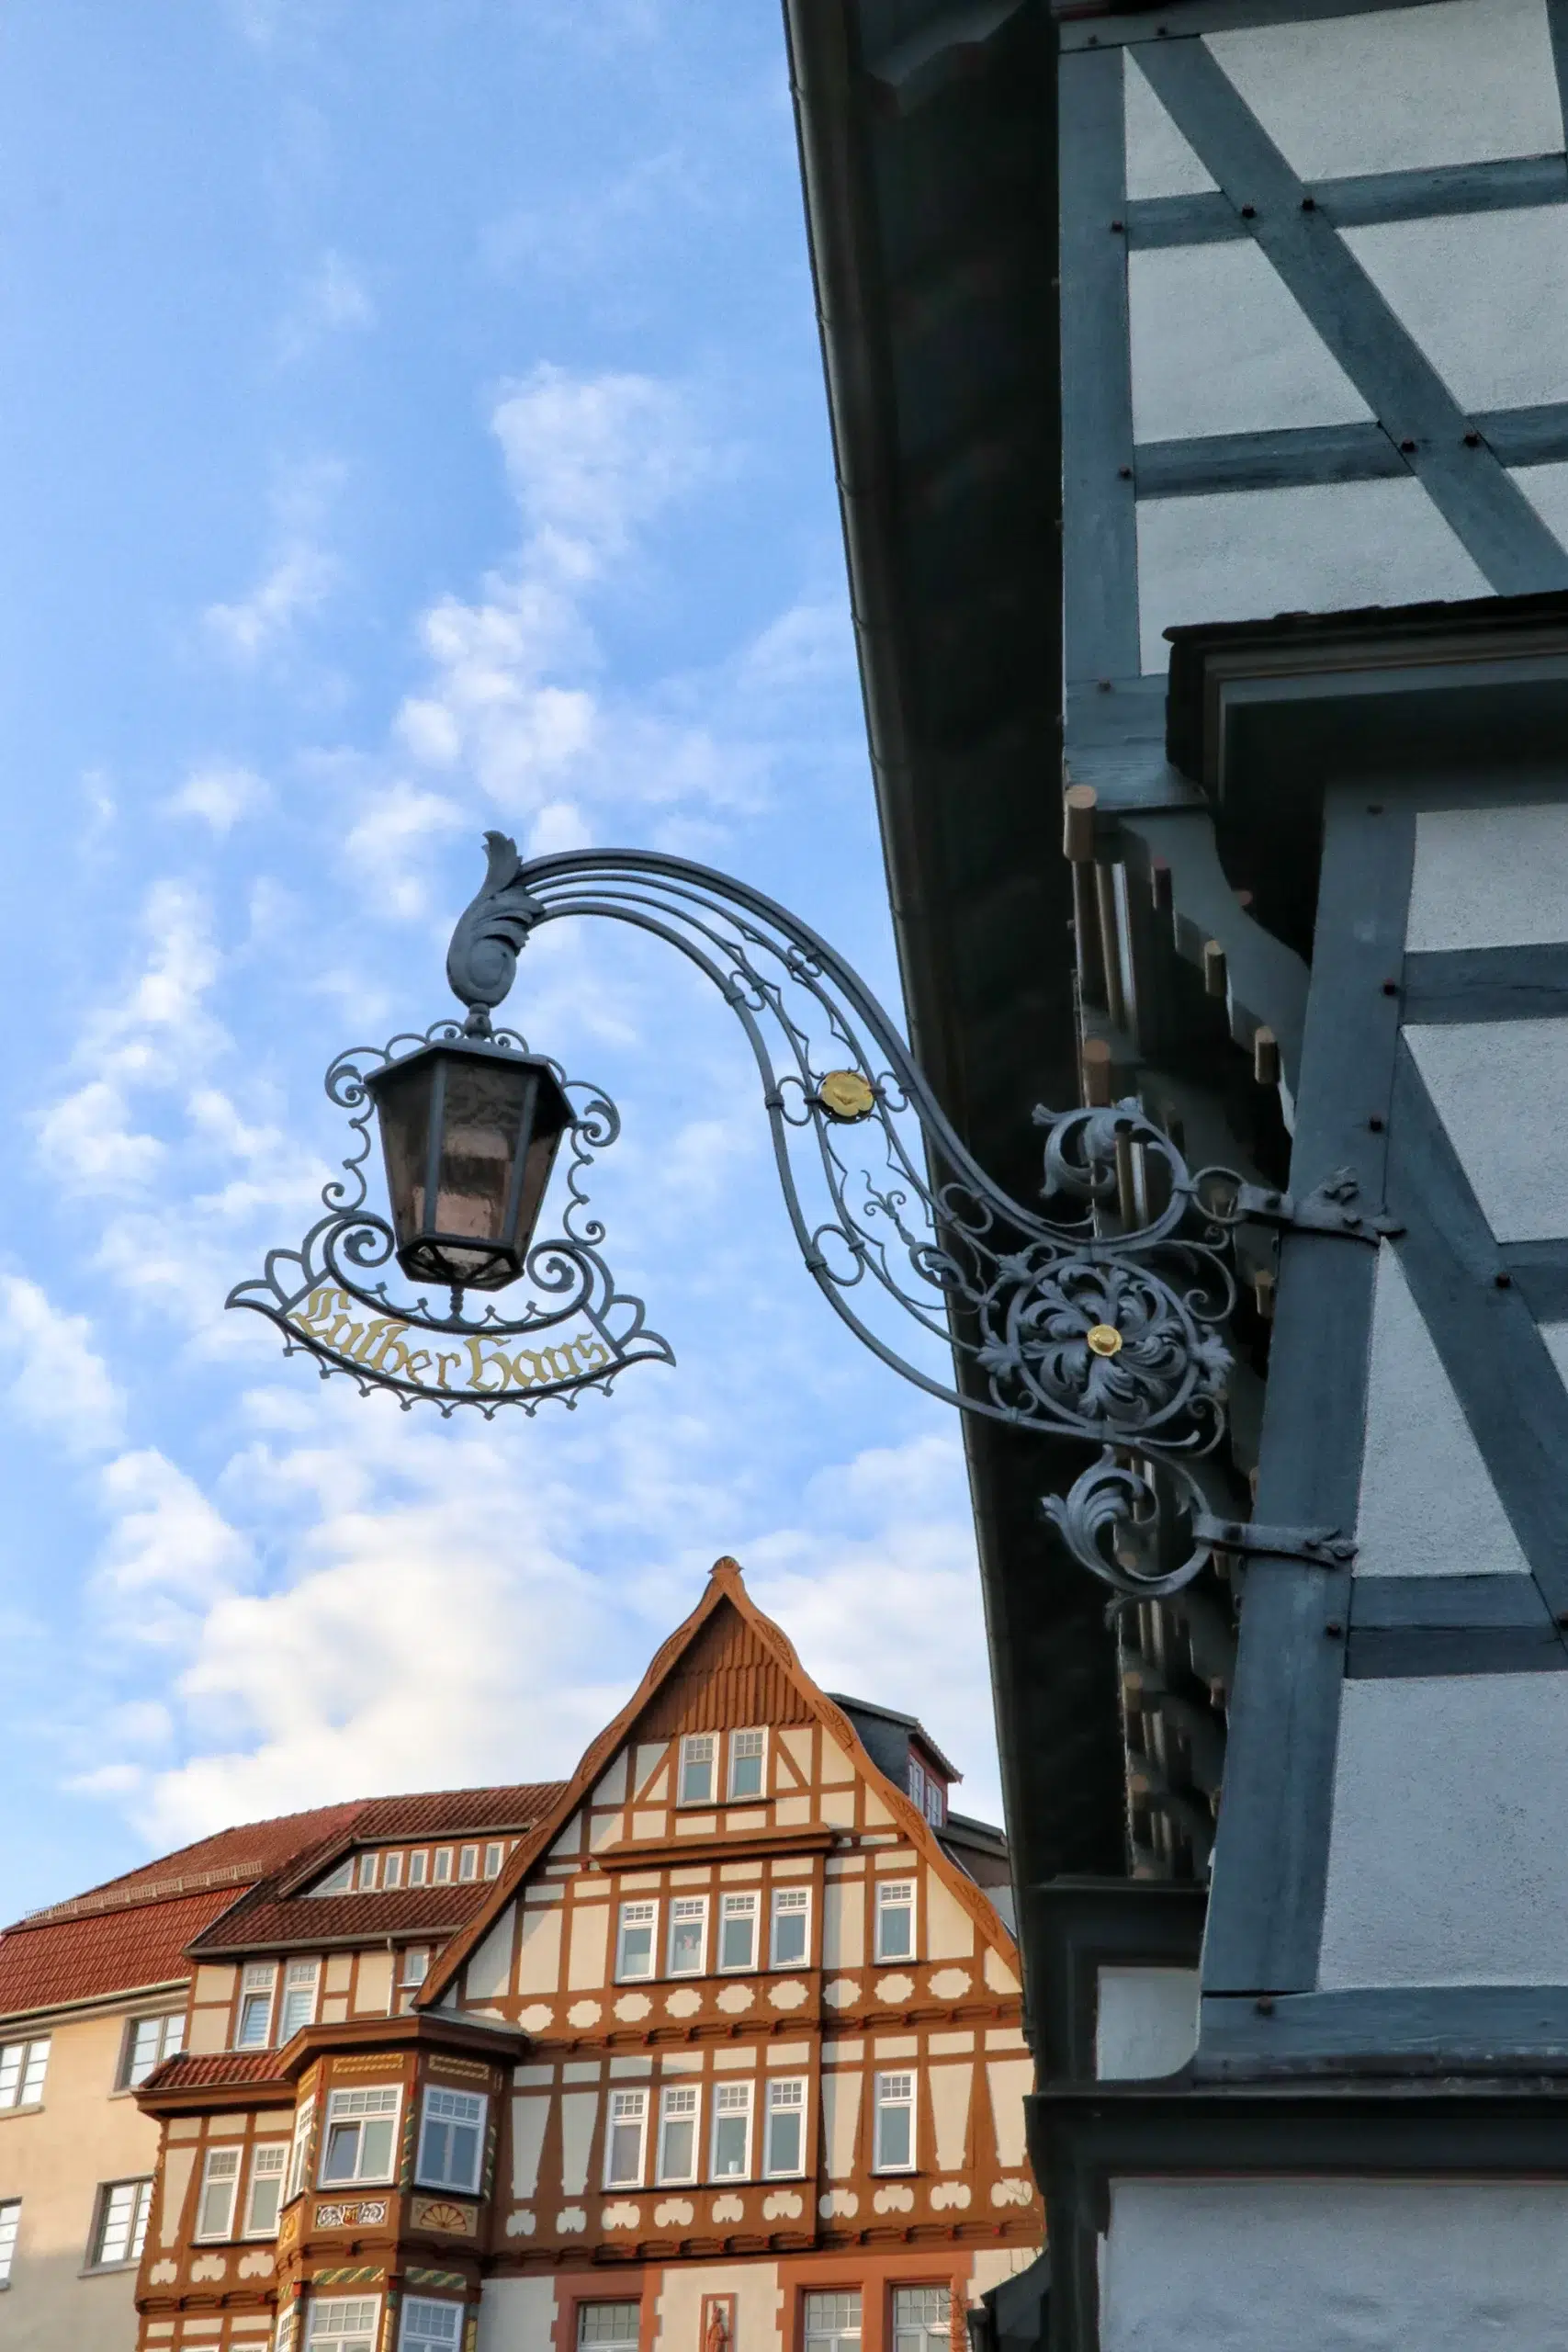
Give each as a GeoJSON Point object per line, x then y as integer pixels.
{"type": "Point", "coordinates": [1397, 89]}
{"type": "Point", "coordinates": [1447, 1863]}
{"type": "Point", "coordinates": [1491, 878]}
{"type": "Point", "coordinates": [1241, 554]}
{"type": "Point", "coordinates": [1498, 1087]}
{"type": "Point", "coordinates": [1160, 160]}
{"type": "Point", "coordinates": [1427, 1505]}
{"type": "Point", "coordinates": [1472, 292]}
{"type": "Point", "coordinates": [1146, 2023]}
{"type": "Point", "coordinates": [1335, 2265]}
{"type": "Point", "coordinates": [758, 2301]}
{"type": "Point", "coordinates": [517, 2315]}
{"type": "Point", "coordinates": [1220, 345]}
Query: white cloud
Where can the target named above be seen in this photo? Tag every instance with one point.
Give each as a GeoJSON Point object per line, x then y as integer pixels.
{"type": "Point", "coordinates": [297, 578]}
{"type": "Point", "coordinates": [63, 1386]}
{"type": "Point", "coordinates": [333, 299]}
{"type": "Point", "coordinates": [389, 848]}
{"type": "Point", "coordinates": [219, 793]}
{"type": "Point", "coordinates": [170, 1556]}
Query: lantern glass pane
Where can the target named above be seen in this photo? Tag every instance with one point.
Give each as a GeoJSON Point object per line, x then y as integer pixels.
{"type": "Point", "coordinates": [470, 1138]}
{"type": "Point", "coordinates": [402, 1102]}
{"type": "Point", "coordinates": [481, 1132]}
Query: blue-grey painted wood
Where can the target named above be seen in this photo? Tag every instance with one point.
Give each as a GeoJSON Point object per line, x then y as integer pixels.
{"type": "Point", "coordinates": [1557, 25]}
{"type": "Point", "coordinates": [1465, 2023]}
{"type": "Point", "coordinates": [1382, 1655]}
{"type": "Point", "coordinates": [1386, 1604]}
{"type": "Point", "coordinates": [1099, 546]}
{"type": "Point", "coordinates": [1538, 1272]}
{"type": "Point", "coordinates": [1309, 453]}
{"type": "Point", "coordinates": [1525, 436]}
{"type": "Point", "coordinates": [1482, 505]}
{"type": "Point", "coordinates": [1510, 1391]}
{"type": "Point", "coordinates": [1210, 218]}
{"type": "Point", "coordinates": [1487, 983]}
{"type": "Point", "coordinates": [1271, 1856]}
{"type": "Point", "coordinates": [1210, 17]}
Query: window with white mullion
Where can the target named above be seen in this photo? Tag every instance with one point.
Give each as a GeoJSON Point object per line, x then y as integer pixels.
{"type": "Point", "coordinates": [268, 2164]}
{"type": "Point", "coordinates": [360, 2135]}
{"type": "Point", "coordinates": [783, 2145]}
{"type": "Point", "coordinates": [894, 2150]}
{"type": "Point", "coordinates": [791, 1927]}
{"type": "Point", "coordinates": [730, 2156]}
{"type": "Point", "coordinates": [299, 1981]}
{"type": "Point", "coordinates": [120, 2231]}
{"type": "Point", "coordinates": [634, 1944]}
{"type": "Point", "coordinates": [451, 2142]}
{"type": "Point", "coordinates": [625, 2139]}
{"type": "Point", "coordinates": [832, 2321]}
{"type": "Point", "coordinates": [921, 2319]}
{"type": "Point", "coordinates": [688, 1935]}
{"type": "Point", "coordinates": [748, 1763]}
{"type": "Point", "coordinates": [252, 2029]}
{"type": "Point", "coordinates": [346, 2323]}
{"type": "Point", "coordinates": [220, 2191]}
{"type": "Point", "coordinates": [895, 1919]}
{"type": "Point", "coordinates": [23, 2065]}
{"type": "Point", "coordinates": [299, 2151]}
{"type": "Point", "coordinates": [430, 2325]}
{"type": "Point", "coordinates": [678, 2137]}
{"type": "Point", "coordinates": [737, 1931]}
{"type": "Point", "coordinates": [148, 2041]}
{"type": "Point", "coordinates": [699, 1763]}
{"type": "Point", "coordinates": [10, 2223]}
{"type": "Point", "coordinates": [607, 2327]}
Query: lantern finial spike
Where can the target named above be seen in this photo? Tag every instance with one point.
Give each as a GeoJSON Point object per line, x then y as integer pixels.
{"type": "Point", "coordinates": [481, 962]}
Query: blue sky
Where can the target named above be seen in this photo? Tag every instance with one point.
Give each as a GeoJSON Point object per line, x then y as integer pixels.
{"type": "Point", "coordinates": [412, 422]}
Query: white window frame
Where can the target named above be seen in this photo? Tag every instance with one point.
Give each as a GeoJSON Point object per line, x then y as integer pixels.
{"type": "Point", "coordinates": [419, 1866]}
{"type": "Point", "coordinates": [693, 1744]}
{"type": "Point", "coordinates": [915, 1783]}
{"type": "Point", "coordinates": [887, 1890]}
{"type": "Point", "coordinates": [776, 2104]}
{"type": "Point", "coordinates": [683, 1910]}
{"type": "Point", "coordinates": [495, 1854]}
{"type": "Point", "coordinates": [339, 1880]}
{"type": "Point", "coordinates": [626, 2107]}
{"type": "Point", "coordinates": [10, 2228]}
{"type": "Point", "coordinates": [24, 2066]}
{"type": "Point", "coordinates": [346, 2106]}
{"type": "Point", "coordinates": [297, 1975]}
{"type": "Point", "coordinates": [894, 2094]}
{"type": "Point", "coordinates": [370, 1879]}
{"type": "Point", "coordinates": [467, 1864]}
{"type": "Point", "coordinates": [737, 2095]}
{"type": "Point", "coordinates": [258, 1981]}
{"type": "Point", "coordinates": [784, 1902]}
{"type": "Point", "coordinates": [732, 1794]}
{"type": "Point", "coordinates": [929, 2335]}
{"type": "Point", "coordinates": [269, 2161]}
{"type": "Point", "coordinates": [414, 2332]}
{"type": "Point", "coordinates": [141, 2206]}
{"type": "Point", "coordinates": [392, 1871]}
{"type": "Point", "coordinates": [460, 2103]}
{"type": "Point", "coordinates": [625, 1920]}
{"type": "Point", "coordinates": [335, 2320]}
{"type": "Point", "coordinates": [169, 2044]}
{"type": "Point", "coordinates": [679, 2103]}
{"type": "Point", "coordinates": [299, 2151]}
{"type": "Point", "coordinates": [831, 2338]}
{"type": "Point", "coordinates": [221, 2171]}
{"type": "Point", "coordinates": [936, 1802]}
{"type": "Point", "coordinates": [744, 1905]}
{"type": "Point", "coordinates": [441, 1868]}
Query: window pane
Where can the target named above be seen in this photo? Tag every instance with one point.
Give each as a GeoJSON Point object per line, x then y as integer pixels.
{"type": "Point", "coordinates": [921, 2319]}
{"type": "Point", "coordinates": [786, 2124]}
{"type": "Point", "coordinates": [256, 2012]}
{"type": "Point", "coordinates": [417, 1866]}
{"type": "Point", "coordinates": [688, 1933]}
{"type": "Point", "coordinates": [33, 2074]}
{"type": "Point", "coordinates": [738, 1932]}
{"type": "Point", "coordinates": [429, 2327]}
{"type": "Point", "coordinates": [146, 2037]}
{"type": "Point", "coordinates": [375, 2151]}
{"type": "Point", "coordinates": [342, 2155]}
{"type": "Point", "coordinates": [215, 2218]}
{"type": "Point", "coordinates": [606, 2324]}
{"type": "Point", "coordinates": [443, 1865]}
{"type": "Point", "coordinates": [832, 2321]}
{"type": "Point", "coordinates": [746, 1763]}
{"type": "Point", "coordinates": [636, 1955]}
{"type": "Point", "coordinates": [10, 2221]}
{"type": "Point", "coordinates": [122, 2220]}
{"type": "Point", "coordinates": [791, 1914]}
{"type": "Point", "coordinates": [493, 1855]}
{"type": "Point", "coordinates": [392, 1870]}
{"type": "Point", "coordinates": [416, 1965]}
{"type": "Point", "coordinates": [894, 2122]}
{"type": "Point", "coordinates": [733, 2130]}
{"type": "Point", "coordinates": [267, 2190]}
{"type": "Point", "coordinates": [895, 1922]}
{"type": "Point", "coordinates": [469, 1862]}
{"type": "Point", "coordinates": [696, 1768]}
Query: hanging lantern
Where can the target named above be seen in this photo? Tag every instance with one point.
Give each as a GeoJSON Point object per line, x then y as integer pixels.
{"type": "Point", "coordinates": [469, 1132]}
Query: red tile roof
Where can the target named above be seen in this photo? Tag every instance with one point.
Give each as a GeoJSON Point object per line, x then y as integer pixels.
{"type": "Point", "coordinates": [189, 2072]}
{"type": "Point", "coordinates": [446, 1812]}
{"type": "Point", "coordinates": [266, 1925]}
{"type": "Point", "coordinates": [108, 1951]}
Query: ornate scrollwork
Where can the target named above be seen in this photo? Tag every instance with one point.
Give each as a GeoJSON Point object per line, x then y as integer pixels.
{"type": "Point", "coordinates": [576, 1330]}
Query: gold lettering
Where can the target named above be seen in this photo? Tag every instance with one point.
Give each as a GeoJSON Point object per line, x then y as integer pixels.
{"type": "Point", "coordinates": [384, 1335]}
{"type": "Point", "coordinates": [416, 1364]}
{"type": "Point", "coordinates": [592, 1353]}
{"type": "Point", "coordinates": [558, 1358]}
{"type": "Point", "coordinates": [482, 1365]}
{"type": "Point", "coordinates": [441, 1364]}
{"type": "Point", "coordinates": [533, 1375]}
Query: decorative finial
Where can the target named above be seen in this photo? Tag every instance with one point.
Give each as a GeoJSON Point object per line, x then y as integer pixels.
{"type": "Point", "coordinates": [481, 962]}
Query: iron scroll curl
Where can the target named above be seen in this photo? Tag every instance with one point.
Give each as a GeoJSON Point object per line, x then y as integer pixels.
{"type": "Point", "coordinates": [1098, 1317]}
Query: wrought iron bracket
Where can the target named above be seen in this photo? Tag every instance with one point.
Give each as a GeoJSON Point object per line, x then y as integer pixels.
{"type": "Point", "coordinates": [1319, 1547]}
{"type": "Point", "coordinates": [1326, 1209]}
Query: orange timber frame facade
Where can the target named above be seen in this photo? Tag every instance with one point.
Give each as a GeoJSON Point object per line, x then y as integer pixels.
{"type": "Point", "coordinates": [729, 2029]}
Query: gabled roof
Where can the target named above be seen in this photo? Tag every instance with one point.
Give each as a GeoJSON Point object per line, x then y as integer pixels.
{"type": "Point", "coordinates": [853, 1707]}
{"type": "Point", "coordinates": [726, 1590]}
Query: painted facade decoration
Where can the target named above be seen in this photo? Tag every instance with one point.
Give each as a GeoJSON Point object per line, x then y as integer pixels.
{"type": "Point", "coordinates": [717, 2045]}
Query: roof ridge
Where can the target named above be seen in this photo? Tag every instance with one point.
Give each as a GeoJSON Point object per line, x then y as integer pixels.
{"type": "Point", "coordinates": [119, 1897]}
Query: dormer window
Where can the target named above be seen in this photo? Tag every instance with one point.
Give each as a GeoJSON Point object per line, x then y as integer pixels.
{"type": "Point", "coordinates": [339, 1881]}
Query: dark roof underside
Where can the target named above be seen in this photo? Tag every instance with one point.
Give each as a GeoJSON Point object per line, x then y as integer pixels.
{"type": "Point", "coordinates": [927, 133]}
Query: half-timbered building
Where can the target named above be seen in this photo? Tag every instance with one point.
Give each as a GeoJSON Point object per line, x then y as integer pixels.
{"type": "Point", "coordinates": [716, 2045]}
